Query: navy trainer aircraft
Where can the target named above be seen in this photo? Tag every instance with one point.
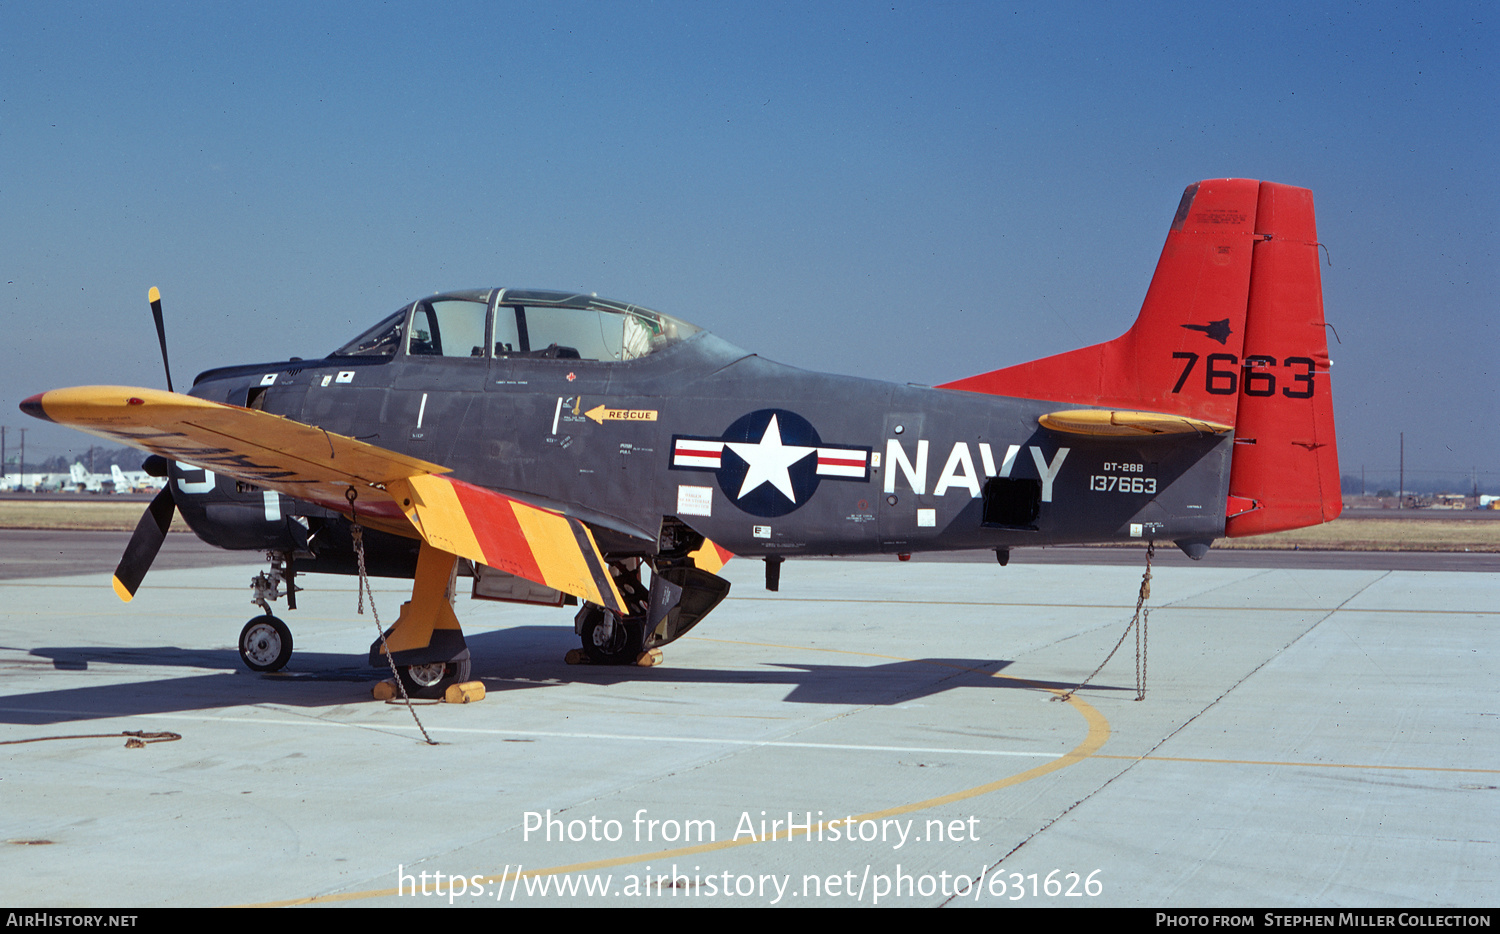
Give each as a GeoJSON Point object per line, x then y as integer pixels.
{"type": "Point", "coordinates": [563, 448]}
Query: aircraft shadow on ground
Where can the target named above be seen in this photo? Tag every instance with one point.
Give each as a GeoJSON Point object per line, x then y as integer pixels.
{"type": "Point", "coordinates": [522, 658]}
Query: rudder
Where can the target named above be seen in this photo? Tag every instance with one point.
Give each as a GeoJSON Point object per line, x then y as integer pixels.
{"type": "Point", "coordinates": [1285, 473]}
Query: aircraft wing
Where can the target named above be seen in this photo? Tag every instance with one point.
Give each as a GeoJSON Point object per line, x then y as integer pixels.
{"type": "Point", "coordinates": [393, 492]}
{"type": "Point", "coordinates": [540, 545]}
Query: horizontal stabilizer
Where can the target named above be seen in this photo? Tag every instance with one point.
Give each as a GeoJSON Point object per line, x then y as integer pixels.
{"type": "Point", "coordinates": [1102, 422]}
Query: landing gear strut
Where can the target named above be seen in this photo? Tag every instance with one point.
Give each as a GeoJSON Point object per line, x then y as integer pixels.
{"type": "Point", "coordinates": [266, 586]}
{"type": "Point", "coordinates": [426, 643]}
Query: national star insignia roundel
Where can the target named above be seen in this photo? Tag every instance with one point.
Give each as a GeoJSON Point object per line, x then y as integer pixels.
{"type": "Point", "coordinates": [770, 461]}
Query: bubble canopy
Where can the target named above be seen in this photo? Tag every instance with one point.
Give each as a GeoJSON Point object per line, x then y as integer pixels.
{"type": "Point", "coordinates": [525, 323]}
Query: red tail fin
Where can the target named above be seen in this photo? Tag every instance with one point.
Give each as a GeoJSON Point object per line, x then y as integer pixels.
{"type": "Point", "coordinates": [1231, 332]}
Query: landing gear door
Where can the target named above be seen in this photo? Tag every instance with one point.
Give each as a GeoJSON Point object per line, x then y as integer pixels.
{"type": "Point", "coordinates": [680, 598]}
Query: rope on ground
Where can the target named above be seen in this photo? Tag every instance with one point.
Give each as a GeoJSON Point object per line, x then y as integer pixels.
{"type": "Point", "coordinates": [138, 739]}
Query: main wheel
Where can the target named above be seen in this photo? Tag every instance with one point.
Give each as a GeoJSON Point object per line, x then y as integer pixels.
{"type": "Point", "coordinates": [609, 640]}
{"type": "Point", "coordinates": [265, 644]}
{"type": "Point", "coordinates": [432, 679]}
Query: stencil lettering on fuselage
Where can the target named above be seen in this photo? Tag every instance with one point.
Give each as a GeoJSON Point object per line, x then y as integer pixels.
{"type": "Point", "coordinates": [958, 471]}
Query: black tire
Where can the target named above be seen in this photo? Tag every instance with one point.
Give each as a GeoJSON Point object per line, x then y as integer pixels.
{"type": "Point", "coordinates": [623, 645]}
{"type": "Point", "coordinates": [431, 681]}
{"type": "Point", "coordinates": [265, 644]}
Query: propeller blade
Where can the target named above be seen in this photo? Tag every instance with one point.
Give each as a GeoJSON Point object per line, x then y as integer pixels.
{"type": "Point", "coordinates": [154, 296]}
{"type": "Point", "coordinates": [150, 532]}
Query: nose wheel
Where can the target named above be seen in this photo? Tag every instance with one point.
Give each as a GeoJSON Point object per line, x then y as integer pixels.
{"type": "Point", "coordinates": [265, 644]}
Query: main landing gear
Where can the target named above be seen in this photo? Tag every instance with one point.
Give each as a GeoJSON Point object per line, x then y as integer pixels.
{"type": "Point", "coordinates": [432, 679]}
{"type": "Point", "coordinates": [608, 639]}
{"type": "Point", "coordinates": [426, 643]}
{"type": "Point", "coordinates": [679, 596]}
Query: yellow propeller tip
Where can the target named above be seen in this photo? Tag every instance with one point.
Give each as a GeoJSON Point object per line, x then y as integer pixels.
{"type": "Point", "coordinates": [121, 591]}
{"type": "Point", "coordinates": [154, 295]}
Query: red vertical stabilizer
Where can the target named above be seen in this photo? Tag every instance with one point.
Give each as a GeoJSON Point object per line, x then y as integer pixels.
{"type": "Point", "coordinates": [1231, 332]}
{"type": "Point", "coordinates": [1191, 324]}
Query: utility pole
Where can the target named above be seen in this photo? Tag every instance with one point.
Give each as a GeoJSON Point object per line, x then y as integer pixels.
{"type": "Point", "coordinates": [1401, 494]}
{"type": "Point", "coordinates": [23, 457]}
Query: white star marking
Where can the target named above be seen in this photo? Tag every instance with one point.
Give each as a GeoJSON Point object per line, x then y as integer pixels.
{"type": "Point", "coordinates": [768, 461]}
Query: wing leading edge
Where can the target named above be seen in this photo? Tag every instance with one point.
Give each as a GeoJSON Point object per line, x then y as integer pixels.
{"type": "Point", "coordinates": [308, 463]}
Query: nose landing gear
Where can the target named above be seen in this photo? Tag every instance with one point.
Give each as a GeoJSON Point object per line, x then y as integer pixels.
{"type": "Point", "coordinates": [265, 644]}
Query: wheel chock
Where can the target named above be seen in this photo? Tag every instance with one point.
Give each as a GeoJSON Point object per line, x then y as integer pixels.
{"type": "Point", "coordinates": [647, 659]}
{"type": "Point", "coordinates": [466, 693]}
{"type": "Point", "coordinates": [386, 690]}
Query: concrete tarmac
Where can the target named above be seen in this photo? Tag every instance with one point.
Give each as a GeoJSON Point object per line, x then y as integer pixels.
{"type": "Point", "coordinates": [1308, 739]}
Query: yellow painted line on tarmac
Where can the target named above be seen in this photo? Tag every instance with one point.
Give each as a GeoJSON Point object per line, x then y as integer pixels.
{"type": "Point", "coordinates": [1097, 735]}
{"type": "Point", "coordinates": [1169, 607]}
{"type": "Point", "coordinates": [1316, 765]}
{"type": "Point", "coordinates": [818, 648]}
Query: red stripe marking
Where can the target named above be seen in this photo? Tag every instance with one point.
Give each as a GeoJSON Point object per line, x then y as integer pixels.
{"type": "Point", "coordinates": [495, 528]}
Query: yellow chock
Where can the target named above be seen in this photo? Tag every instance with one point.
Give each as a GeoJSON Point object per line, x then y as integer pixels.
{"type": "Point", "coordinates": [647, 659]}
{"type": "Point", "coordinates": [385, 690]}
{"type": "Point", "coordinates": [466, 693]}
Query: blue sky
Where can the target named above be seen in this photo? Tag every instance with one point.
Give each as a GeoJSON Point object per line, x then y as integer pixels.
{"type": "Point", "coordinates": [915, 192]}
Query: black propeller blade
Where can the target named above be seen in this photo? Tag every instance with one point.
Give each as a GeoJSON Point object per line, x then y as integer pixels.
{"type": "Point", "coordinates": [150, 532]}
{"type": "Point", "coordinates": [154, 296]}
